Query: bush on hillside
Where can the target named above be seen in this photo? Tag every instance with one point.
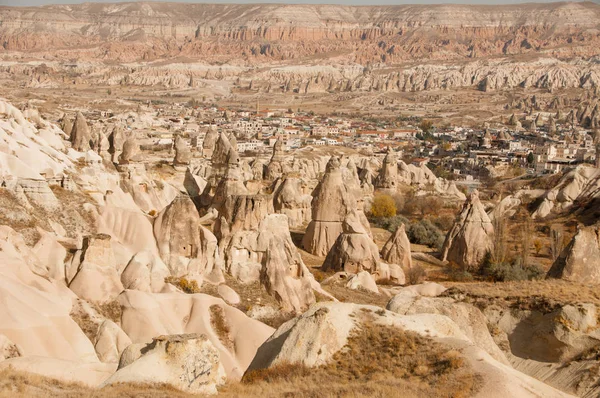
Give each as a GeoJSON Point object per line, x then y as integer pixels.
{"type": "Point", "coordinates": [383, 206]}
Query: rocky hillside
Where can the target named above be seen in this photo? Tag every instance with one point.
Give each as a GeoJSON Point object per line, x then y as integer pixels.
{"type": "Point", "coordinates": [136, 31]}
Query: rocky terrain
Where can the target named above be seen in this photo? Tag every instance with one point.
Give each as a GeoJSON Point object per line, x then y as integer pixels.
{"type": "Point", "coordinates": [155, 242]}
{"type": "Point", "coordinates": [277, 53]}
{"type": "Point", "coordinates": [214, 273]}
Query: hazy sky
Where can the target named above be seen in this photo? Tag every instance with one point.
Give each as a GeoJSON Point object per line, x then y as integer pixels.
{"type": "Point", "coordinates": [348, 2]}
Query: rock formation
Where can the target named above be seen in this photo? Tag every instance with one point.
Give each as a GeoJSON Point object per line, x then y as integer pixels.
{"type": "Point", "coordinates": [96, 263]}
{"type": "Point", "coordinates": [116, 141]}
{"type": "Point", "coordinates": [183, 154]}
{"type": "Point", "coordinates": [289, 199]}
{"type": "Point", "coordinates": [130, 151]}
{"type": "Point", "coordinates": [332, 201]}
{"type": "Point", "coordinates": [209, 142]}
{"type": "Point", "coordinates": [80, 134]}
{"type": "Point", "coordinates": [471, 236]}
{"type": "Point", "coordinates": [275, 168]}
{"type": "Point", "coordinates": [397, 249]}
{"type": "Point", "coordinates": [388, 175]}
{"type": "Point", "coordinates": [184, 245]}
{"type": "Point", "coordinates": [354, 250]}
{"type": "Point", "coordinates": [187, 362]}
{"type": "Point", "coordinates": [580, 260]}
{"type": "Point", "coordinates": [313, 338]}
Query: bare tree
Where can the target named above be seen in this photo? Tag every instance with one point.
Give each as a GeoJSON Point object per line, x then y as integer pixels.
{"type": "Point", "coordinates": [526, 241]}
{"type": "Point", "coordinates": [556, 241]}
{"type": "Point", "coordinates": [500, 241]}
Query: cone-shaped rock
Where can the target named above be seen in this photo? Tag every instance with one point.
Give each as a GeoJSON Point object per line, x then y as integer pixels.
{"type": "Point", "coordinates": [332, 201]}
{"type": "Point", "coordinates": [184, 245]}
{"type": "Point", "coordinates": [580, 260]}
{"type": "Point", "coordinates": [471, 236]}
{"type": "Point", "coordinates": [80, 134]}
{"type": "Point", "coordinates": [397, 249]}
{"type": "Point", "coordinates": [388, 175]}
{"type": "Point", "coordinates": [354, 250]}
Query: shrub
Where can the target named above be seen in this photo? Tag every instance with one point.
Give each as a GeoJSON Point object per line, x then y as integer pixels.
{"type": "Point", "coordinates": [391, 223]}
{"type": "Point", "coordinates": [188, 286]}
{"type": "Point", "coordinates": [444, 222]}
{"type": "Point", "coordinates": [415, 275]}
{"type": "Point", "coordinates": [383, 206]}
{"type": "Point", "coordinates": [424, 232]}
{"type": "Point", "coordinates": [510, 271]}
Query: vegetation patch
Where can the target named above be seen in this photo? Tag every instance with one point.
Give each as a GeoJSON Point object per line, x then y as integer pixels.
{"type": "Point", "coordinates": [378, 360]}
{"type": "Point", "coordinates": [219, 324]}
{"type": "Point", "coordinates": [187, 286]}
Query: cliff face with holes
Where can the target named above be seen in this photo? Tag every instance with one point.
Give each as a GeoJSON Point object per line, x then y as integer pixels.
{"type": "Point", "coordinates": [251, 33]}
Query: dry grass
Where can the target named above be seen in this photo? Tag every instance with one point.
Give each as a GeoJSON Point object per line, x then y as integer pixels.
{"type": "Point", "coordinates": [346, 295]}
{"type": "Point", "coordinates": [20, 384]}
{"type": "Point", "coordinates": [379, 361]}
{"type": "Point", "coordinates": [85, 323]}
{"type": "Point", "coordinates": [219, 324]}
{"type": "Point", "coordinates": [111, 310]}
{"type": "Point", "coordinates": [185, 285]}
{"type": "Point", "coordinates": [551, 290]}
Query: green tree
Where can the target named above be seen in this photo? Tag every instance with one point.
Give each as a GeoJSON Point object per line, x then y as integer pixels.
{"type": "Point", "coordinates": [530, 158]}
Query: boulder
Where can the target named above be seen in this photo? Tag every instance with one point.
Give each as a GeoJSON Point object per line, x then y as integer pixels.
{"type": "Point", "coordinates": [188, 362]}
{"type": "Point", "coordinates": [363, 281]}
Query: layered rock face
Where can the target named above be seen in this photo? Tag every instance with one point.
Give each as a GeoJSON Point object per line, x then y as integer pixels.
{"type": "Point", "coordinates": [580, 260]}
{"type": "Point", "coordinates": [332, 201]}
{"type": "Point", "coordinates": [471, 236]}
{"type": "Point", "coordinates": [210, 29]}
